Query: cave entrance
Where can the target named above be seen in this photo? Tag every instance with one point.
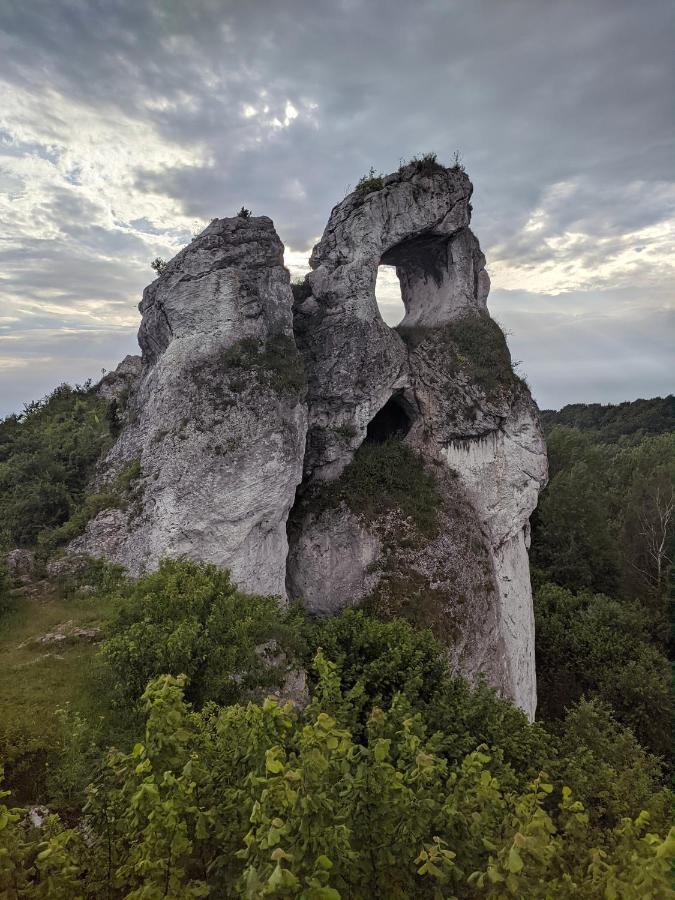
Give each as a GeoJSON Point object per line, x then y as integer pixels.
{"type": "Point", "coordinates": [388, 294]}
{"type": "Point", "coordinates": [394, 420]}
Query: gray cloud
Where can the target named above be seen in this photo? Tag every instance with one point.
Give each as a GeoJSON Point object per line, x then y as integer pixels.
{"type": "Point", "coordinates": [133, 118]}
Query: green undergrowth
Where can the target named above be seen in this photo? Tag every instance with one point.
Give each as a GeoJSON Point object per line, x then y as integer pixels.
{"type": "Point", "coordinates": [116, 496]}
{"type": "Point", "coordinates": [475, 346]}
{"type": "Point", "coordinates": [372, 181]}
{"type": "Point", "coordinates": [44, 686]}
{"type": "Point", "coordinates": [276, 363]}
{"type": "Point", "coordinates": [382, 478]}
{"type": "Point", "coordinates": [47, 457]}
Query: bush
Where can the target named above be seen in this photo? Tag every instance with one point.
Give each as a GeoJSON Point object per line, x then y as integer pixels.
{"type": "Point", "coordinates": [473, 344]}
{"type": "Point", "coordinates": [263, 801]}
{"type": "Point", "coordinates": [7, 602]}
{"type": "Point", "coordinates": [276, 363]}
{"type": "Point", "coordinates": [188, 618]}
{"type": "Point", "coordinates": [370, 182]}
{"type": "Point", "coordinates": [427, 164]}
{"type": "Point", "coordinates": [382, 477]}
{"type": "Point", "coordinates": [607, 769]}
{"type": "Point", "coordinates": [158, 264]}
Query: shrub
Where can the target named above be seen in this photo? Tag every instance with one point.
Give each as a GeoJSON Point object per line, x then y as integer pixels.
{"type": "Point", "coordinates": [473, 344]}
{"type": "Point", "coordinates": [607, 769]}
{"type": "Point", "coordinates": [158, 264]}
{"type": "Point", "coordinates": [382, 477]}
{"type": "Point", "coordinates": [188, 618]}
{"type": "Point", "coordinates": [261, 801]}
{"type": "Point", "coordinates": [47, 456]}
{"type": "Point", "coordinates": [244, 213]}
{"type": "Point", "coordinates": [7, 602]}
{"type": "Point", "coordinates": [276, 363]}
{"type": "Point", "coordinates": [589, 644]}
{"type": "Point", "coordinates": [301, 289]}
{"type": "Point", "coordinates": [427, 164]}
{"type": "Point", "coordinates": [370, 182]}
{"type": "Point", "coordinates": [115, 496]}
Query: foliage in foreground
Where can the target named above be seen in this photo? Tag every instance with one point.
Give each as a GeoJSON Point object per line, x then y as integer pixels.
{"type": "Point", "coordinates": [264, 801]}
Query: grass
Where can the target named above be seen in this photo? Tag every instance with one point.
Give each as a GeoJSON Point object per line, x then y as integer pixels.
{"type": "Point", "coordinates": [276, 363]}
{"type": "Point", "coordinates": [386, 477]}
{"type": "Point", "coordinates": [38, 679]}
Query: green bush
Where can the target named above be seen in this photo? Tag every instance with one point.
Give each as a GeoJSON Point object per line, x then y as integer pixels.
{"type": "Point", "coordinates": [275, 363]}
{"type": "Point", "coordinates": [607, 769]}
{"type": "Point", "coordinates": [427, 164]}
{"type": "Point", "coordinates": [188, 618]}
{"type": "Point", "coordinates": [382, 477]}
{"type": "Point", "coordinates": [370, 182]}
{"type": "Point", "coordinates": [7, 601]}
{"type": "Point", "coordinates": [473, 344]}
{"type": "Point", "coordinates": [264, 801]}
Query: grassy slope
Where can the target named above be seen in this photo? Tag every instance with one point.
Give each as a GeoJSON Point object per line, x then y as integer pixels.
{"type": "Point", "coordinates": [37, 679]}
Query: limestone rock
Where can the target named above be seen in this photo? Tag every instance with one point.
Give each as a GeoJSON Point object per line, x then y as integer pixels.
{"type": "Point", "coordinates": [20, 563]}
{"type": "Point", "coordinates": [412, 222]}
{"type": "Point", "coordinates": [120, 383]}
{"type": "Point", "coordinates": [248, 393]}
{"type": "Point", "coordinates": [217, 424]}
{"type": "Point", "coordinates": [330, 560]}
{"type": "Point", "coordinates": [443, 382]}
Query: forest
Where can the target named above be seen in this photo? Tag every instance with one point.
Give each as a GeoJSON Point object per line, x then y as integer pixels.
{"type": "Point", "coordinates": [150, 747]}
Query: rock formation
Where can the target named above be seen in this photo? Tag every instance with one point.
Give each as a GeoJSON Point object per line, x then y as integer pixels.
{"type": "Point", "coordinates": [217, 423]}
{"type": "Point", "coordinates": [228, 432]}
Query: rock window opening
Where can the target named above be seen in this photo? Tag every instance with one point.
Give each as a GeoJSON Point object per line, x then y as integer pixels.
{"type": "Point", "coordinates": [388, 295]}
{"type": "Point", "coordinates": [392, 421]}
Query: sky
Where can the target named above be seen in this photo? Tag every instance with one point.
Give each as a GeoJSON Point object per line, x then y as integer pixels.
{"type": "Point", "coordinates": [126, 125]}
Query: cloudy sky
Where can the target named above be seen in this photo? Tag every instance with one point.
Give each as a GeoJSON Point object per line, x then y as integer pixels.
{"type": "Point", "coordinates": [125, 125]}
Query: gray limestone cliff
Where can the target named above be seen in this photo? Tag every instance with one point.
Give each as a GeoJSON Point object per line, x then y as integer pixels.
{"type": "Point", "coordinates": [217, 421]}
{"type": "Point", "coordinates": [255, 410]}
{"type": "Point", "coordinates": [443, 383]}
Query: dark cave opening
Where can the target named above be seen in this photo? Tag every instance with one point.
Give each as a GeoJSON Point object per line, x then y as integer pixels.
{"type": "Point", "coordinates": [392, 421]}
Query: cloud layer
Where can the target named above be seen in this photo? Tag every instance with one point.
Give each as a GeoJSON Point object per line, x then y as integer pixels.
{"type": "Point", "coordinates": [126, 125]}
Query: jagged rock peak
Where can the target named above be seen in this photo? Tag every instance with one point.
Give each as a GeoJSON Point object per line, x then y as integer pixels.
{"type": "Point", "coordinates": [246, 396]}
{"type": "Point", "coordinates": [228, 282]}
{"type": "Point", "coordinates": [216, 428]}
{"type": "Point", "coordinates": [418, 222]}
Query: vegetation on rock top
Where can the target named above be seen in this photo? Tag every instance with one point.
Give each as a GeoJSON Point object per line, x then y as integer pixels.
{"type": "Point", "coordinates": [385, 477]}
{"type": "Point", "coordinates": [276, 363]}
{"type": "Point", "coordinates": [473, 345]}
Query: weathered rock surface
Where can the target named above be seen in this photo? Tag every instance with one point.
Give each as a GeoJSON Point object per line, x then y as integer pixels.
{"type": "Point", "coordinates": [218, 421]}
{"type": "Point", "coordinates": [330, 559]}
{"type": "Point", "coordinates": [225, 422]}
{"type": "Point", "coordinates": [443, 382]}
{"type": "Point", "coordinates": [122, 381]}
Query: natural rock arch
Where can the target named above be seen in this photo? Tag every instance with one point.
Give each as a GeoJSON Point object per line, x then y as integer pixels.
{"type": "Point", "coordinates": [228, 419]}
